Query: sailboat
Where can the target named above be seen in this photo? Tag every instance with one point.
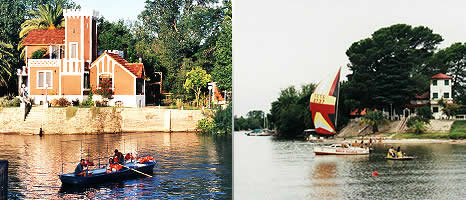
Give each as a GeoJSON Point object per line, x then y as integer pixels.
{"type": "Point", "coordinates": [324, 109]}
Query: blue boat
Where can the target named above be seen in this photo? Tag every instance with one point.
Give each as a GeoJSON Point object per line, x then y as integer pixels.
{"type": "Point", "coordinates": [100, 175]}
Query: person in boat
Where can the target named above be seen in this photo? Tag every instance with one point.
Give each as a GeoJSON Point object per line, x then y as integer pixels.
{"type": "Point", "coordinates": [355, 144]}
{"type": "Point", "coordinates": [129, 157]}
{"type": "Point", "coordinates": [391, 153]}
{"type": "Point", "coordinates": [118, 157]}
{"type": "Point", "coordinates": [113, 166]}
{"type": "Point", "coordinates": [79, 170]}
{"type": "Point", "coordinates": [399, 154]}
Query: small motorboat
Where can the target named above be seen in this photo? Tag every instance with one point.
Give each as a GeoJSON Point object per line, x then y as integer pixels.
{"type": "Point", "coordinates": [100, 175]}
{"type": "Point", "coordinates": [402, 158]}
{"type": "Point", "coordinates": [338, 149]}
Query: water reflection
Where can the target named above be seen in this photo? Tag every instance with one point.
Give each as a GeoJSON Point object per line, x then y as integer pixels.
{"type": "Point", "coordinates": [188, 165]}
{"type": "Point", "coordinates": [295, 172]}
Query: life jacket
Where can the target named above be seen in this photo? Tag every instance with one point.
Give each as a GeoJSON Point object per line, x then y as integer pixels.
{"type": "Point", "coordinates": [399, 154]}
{"type": "Point", "coordinates": [116, 166]}
{"type": "Point", "coordinates": [129, 157]}
{"type": "Point", "coordinates": [146, 159]}
{"type": "Point", "coordinates": [389, 155]}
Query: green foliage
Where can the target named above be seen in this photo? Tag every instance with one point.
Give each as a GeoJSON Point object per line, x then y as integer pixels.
{"type": "Point", "coordinates": [399, 52]}
{"type": "Point", "coordinates": [9, 101]}
{"type": "Point", "coordinates": [218, 124]}
{"type": "Point", "coordinates": [449, 109]}
{"type": "Point", "coordinates": [71, 112]}
{"type": "Point", "coordinates": [6, 65]}
{"type": "Point", "coordinates": [39, 54]}
{"type": "Point", "coordinates": [196, 79]}
{"type": "Point", "coordinates": [223, 52]}
{"type": "Point", "coordinates": [170, 31]}
{"type": "Point", "coordinates": [88, 102]}
{"type": "Point", "coordinates": [374, 119]}
{"type": "Point", "coordinates": [290, 113]}
{"type": "Point", "coordinates": [425, 113]}
{"type": "Point", "coordinates": [419, 127]}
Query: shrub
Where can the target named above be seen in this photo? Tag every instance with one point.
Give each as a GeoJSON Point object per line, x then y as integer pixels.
{"type": "Point", "coordinates": [39, 53]}
{"type": "Point", "coordinates": [412, 120]}
{"type": "Point", "coordinates": [100, 104]}
{"type": "Point", "coordinates": [105, 89]}
{"type": "Point", "coordinates": [61, 102]}
{"type": "Point", "coordinates": [88, 101]}
{"type": "Point", "coordinates": [75, 102]}
{"type": "Point", "coordinates": [206, 125]}
{"type": "Point", "coordinates": [9, 101]}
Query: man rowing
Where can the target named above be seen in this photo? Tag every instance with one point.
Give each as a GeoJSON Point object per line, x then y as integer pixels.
{"type": "Point", "coordinates": [79, 170]}
{"type": "Point", "coordinates": [118, 157]}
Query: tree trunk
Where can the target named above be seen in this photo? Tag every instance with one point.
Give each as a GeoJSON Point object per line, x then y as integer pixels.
{"type": "Point", "coordinates": [375, 129]}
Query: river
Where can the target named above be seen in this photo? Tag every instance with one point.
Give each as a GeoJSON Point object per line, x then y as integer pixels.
{"type": "Point", "coordinates": [189, 165]}
{"type": "Point", "coordinates": [268, 168]}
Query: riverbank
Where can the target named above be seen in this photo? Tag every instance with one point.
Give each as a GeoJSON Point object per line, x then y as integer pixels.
{"type": "Point", "coordinates": [95, 120]}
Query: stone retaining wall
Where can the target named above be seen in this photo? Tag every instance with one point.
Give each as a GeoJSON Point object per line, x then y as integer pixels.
{"type": "Point", "coordinates": [101, 120]}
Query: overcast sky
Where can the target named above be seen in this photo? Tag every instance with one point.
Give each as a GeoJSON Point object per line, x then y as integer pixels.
{"type": "Point", "coordinates": [279, 43]}
{"type": "Point", "coordinates": [114, 10]}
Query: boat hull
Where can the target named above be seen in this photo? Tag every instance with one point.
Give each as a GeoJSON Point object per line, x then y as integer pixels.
{"type": "Point", "coordinates": [100, 175]}
{"type": "Point", "coordinates": [403, 158]}
{"type": "Point", "coordinates": [340, 151]}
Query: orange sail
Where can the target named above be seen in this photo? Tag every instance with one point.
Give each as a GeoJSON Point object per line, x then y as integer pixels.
{"type": "Point", "coordinates": [323, 105]}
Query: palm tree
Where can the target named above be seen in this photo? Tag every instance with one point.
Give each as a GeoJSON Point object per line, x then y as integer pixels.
{"type": "Point", "coordinates": [374, 119]}
{"type": "Point", "coordinates": [48, 16]}
{"type": "Point", "coordinates": [6, 70]}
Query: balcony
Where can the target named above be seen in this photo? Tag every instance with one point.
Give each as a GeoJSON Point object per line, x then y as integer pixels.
{"type": "Point", "coordinates": [44, 62]}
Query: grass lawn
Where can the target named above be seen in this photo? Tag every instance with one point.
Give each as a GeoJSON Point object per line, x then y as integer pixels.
{"type": "Point", "coordinates": [458, 131]}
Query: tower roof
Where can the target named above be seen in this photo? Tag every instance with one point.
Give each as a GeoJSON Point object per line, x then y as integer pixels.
{"type": "Point", "coordinates": [441, 76]}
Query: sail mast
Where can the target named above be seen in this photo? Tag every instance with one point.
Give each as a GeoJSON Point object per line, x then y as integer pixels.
{"type": "Point", "coordinates": [336, 109]}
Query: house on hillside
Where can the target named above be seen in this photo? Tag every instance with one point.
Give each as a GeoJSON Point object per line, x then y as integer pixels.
{"type": "Point", "coordinates": [64, 63]}
{"type": "Point", "coordinates": [440, 88]}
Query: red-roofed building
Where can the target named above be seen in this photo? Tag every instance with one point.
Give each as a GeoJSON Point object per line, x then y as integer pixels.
{"type": "Point", "coordinates": [70, 67]}
{"type": "Point", "coordinates": [440, 88]}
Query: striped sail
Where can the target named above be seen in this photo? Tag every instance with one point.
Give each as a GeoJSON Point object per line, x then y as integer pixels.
{"type": "Point", "coordinates": [322, 105]}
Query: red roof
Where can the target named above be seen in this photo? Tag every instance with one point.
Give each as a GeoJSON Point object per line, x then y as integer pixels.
{"type": "Point", "coordinates": [422, 96]}
{"type": "Point", "coordinates": [135, 68]}
{"type": "Point", "coordinates": [45, 37]}
{"type": "Point", "coordinates": [441, 76]}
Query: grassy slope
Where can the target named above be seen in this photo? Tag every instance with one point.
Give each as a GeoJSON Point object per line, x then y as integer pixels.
{"type": "Point", "coordinates": [458, 131]}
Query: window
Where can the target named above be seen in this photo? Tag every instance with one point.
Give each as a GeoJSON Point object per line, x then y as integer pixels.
{"type": "Point", "coordinates": [434, 82]}
{"type": "Point", "coordinates": [55, 52]}
{"type": "Point", "coordinates": [435, 109]}
{"type": "Point", "coordinates": [435, 95]}
{"type": "Point", "coordinates": [447, 82]}
{"type": "Point", "coordinates": [86, 81]}
{"type": "Point", "coordinates": [44, 77]}
{"type": "Point", "coordinates": [73, 50]}
{"type": "Point", "coordinates": [446, 95]}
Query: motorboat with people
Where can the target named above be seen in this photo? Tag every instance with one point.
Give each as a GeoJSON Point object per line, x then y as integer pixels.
{"type": "Point", "coordinates": [341, 149]}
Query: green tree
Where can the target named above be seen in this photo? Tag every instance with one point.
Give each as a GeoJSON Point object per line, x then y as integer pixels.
{"type": "Point", "coordinates": [178, 29]}
{"type": "Point", "coordinates": [290, 113]}
{"type": "Point", "coordinates": [418, 126]}
{"type": "Point", "coordinates": [223, 52]}
{"type": "Point", "coordinates": [399, 52]}
{"type": "Point", "coordinates": [196, 79]}
{"type": "Point", "coordinates": [374, 119]}
{"type": "Point", "coordinates": [116, 36]}
{"type": "Point", "coordinates": [6, 68]}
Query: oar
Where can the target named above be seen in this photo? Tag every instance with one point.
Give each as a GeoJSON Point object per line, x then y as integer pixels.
{"type": "Point", "coordinates": [135, 170]}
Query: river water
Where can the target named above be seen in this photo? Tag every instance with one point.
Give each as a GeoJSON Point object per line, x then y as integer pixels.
{"type": "Point", "coordinates": [267, 168]}
{"type": "Point", "coordinates": [189, 166]}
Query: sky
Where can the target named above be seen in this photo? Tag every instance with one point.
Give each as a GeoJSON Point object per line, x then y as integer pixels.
{"type": "Point", "coordinates": [279, 43]}
{"type": "Point", "coordinates": [113, 10]}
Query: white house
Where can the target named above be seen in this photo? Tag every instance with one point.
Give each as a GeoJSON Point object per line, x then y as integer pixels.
{"type": "Point", "coordinates": [440, 87]}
